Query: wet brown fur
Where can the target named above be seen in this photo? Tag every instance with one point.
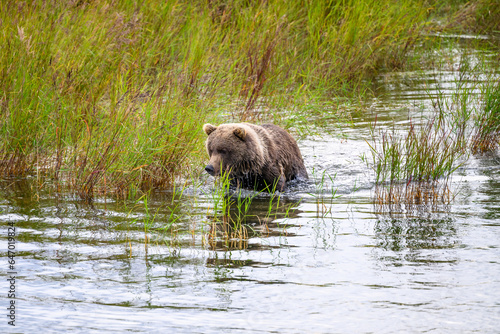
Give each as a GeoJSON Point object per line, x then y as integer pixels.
{"type": "Point", "coordinates": [257, 157]}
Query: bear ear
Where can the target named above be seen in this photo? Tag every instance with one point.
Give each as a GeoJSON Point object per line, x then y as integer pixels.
{"type": "Point", "coordinates": [240, 133]}
{"type": "Point", "coordinates": [209, 128]}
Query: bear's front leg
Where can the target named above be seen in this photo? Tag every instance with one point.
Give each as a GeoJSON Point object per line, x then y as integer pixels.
{"type": "Point", "coordinates": [273, 177]}
{"type": "Point", "coordinates": [277, 182]}
{"type": "Point", "coordinates": [280, 186]}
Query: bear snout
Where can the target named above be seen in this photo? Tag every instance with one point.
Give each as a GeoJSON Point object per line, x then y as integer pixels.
{"type": "Point", "coordinates": [210, 170]}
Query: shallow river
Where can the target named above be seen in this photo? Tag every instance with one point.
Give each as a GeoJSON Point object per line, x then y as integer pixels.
{"type": "Point", "coordinates": [327, 260]}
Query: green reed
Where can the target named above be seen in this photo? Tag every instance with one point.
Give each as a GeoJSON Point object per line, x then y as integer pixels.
{"type": "Point", "coordinates": [486, 134]}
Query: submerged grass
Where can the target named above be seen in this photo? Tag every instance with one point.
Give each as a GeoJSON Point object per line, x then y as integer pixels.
{"type": "Point", "coordinates": [231, 219]}
{"type": "Point", "coordinates": [108, 97]}
{"type": "Point", "coordinates": [413, 168]}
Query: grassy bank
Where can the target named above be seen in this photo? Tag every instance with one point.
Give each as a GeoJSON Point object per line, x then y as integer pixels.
{"type": "Point", "coordinates": [110, 96]}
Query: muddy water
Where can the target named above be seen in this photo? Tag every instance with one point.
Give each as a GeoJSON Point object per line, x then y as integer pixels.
{"type": "Point", "coordinates": [325, 261]}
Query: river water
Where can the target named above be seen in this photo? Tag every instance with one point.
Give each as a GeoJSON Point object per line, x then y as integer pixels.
{"type": "Point", "coordinates": [324, 259]}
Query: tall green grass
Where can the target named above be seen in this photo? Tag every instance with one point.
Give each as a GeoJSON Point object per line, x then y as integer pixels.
{"type": "Point", "coordinates": [486, 134]}
{"type": "Point", "coordinates": [109, 96]}
{"type": "Point", "coordinates": [413, 167]}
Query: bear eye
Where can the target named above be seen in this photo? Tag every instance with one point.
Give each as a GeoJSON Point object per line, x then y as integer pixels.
{"type": "Point", "coordinates": [222, 151]}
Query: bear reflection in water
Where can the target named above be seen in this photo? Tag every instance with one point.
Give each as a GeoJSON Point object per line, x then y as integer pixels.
{"type": "Point", "coordinates": [256, 157]}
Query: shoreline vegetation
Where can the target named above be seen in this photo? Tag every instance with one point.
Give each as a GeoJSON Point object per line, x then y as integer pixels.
{"type": "Point", "coordinates": [108, 97]}
{"type": "Point", "coordinates": [413, 166]}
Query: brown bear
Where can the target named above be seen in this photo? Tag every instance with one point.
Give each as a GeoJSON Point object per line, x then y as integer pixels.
{"type": "Point", "coordinates": [256, 157]}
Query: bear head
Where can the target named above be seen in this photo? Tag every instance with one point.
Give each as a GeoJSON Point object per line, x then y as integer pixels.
{"type": "Point", "coordinates": [234, 148]}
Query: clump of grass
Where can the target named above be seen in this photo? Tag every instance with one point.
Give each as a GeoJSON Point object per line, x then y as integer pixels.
{"type": "Point", "coordinates": [83, 103]}
{"type": "Point", "coordinates": [423, 154]}
{"type": "Point", "coordinates": [413, 165]}
{"type": "Point", "coordinates": [486, 134]}
{"type": "Point", "coordinates": [414, 168]}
